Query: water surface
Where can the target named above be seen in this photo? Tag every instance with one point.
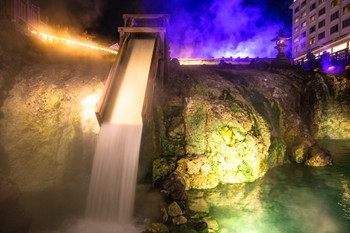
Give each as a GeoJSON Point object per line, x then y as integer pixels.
{"type": "Point", "coordinates": [291, 198]}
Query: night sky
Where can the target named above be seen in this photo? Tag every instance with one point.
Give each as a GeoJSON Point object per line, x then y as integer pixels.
{"type": "Point", "coordinates": [206, 28]}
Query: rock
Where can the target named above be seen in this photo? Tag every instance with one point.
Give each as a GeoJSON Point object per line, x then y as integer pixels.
{"type": "Point", "coordinates": [157, 228]}
{"type": "Point", "coordinates": [174, 187]}
{"type": "Point", "coordinates": [165, 215]}
{"type": "Point", "coordinates": [174, 210]}
{"type": "Point", "coordinates": [13, 217]}
{"type": "Point", "coordinates": [277, 152]}
{"type": "Point", "coordinates": [198, 205]}
{"type": "Point", "coordinates": [213, 225]}
{"type": "Point", "coordinates": [163, 167]}
{"type": "Point", "coordinates": [197, 173]}
{"type": "Point", "coordinates": [299, 153]}
{"type": "Point", "coordinates": [179, 220]}
{"type": "Point", "coordinates": [319, 157]}
{"type": "Point", "coordinates": [201, 227]}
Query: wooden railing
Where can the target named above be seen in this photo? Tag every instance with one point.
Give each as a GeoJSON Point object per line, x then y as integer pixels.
{"type": "Point", "coordinates": [24, 13]}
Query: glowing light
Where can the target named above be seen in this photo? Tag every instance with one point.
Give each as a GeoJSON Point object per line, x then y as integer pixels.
{"type": "Point", "coordinates": [55, 39]}
{"type": "Point", "coordinates": [340, 47]}
{"type": "Point", "coordinates": [87, 115]}
{"type": "Point", "coordinates": [331, 68]}
{"type": "Point", "coordinates": [213, 61]}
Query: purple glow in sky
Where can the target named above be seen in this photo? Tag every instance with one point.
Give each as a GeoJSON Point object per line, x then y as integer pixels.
{"type": "Point", "coordinates": [198, 28]}
{"type": "Point", "coordinates": [220, 28]}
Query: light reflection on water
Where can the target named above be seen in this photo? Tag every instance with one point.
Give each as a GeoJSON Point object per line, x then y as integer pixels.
{"type": "Point", "coordinates": [291, 198]}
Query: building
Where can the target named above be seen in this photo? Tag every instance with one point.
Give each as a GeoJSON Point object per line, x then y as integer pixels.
{"type": "Point", "coordinates": [24, 13]}
{"type": "Point", "coordinates": [319, 26]}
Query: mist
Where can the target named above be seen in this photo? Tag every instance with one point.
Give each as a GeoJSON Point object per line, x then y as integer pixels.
{"type": "Point", "coordinates": [220, 28]}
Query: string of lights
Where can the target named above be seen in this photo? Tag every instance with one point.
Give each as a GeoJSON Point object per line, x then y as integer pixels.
{"type": "Point", "coordinates": [55, 39]}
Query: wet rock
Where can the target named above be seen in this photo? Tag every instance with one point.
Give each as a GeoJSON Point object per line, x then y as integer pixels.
{"type": "Point", "coordinates": [164, 215]}
{"type": "Point", "coordinates": [319, 157]}
{"type": "Point", "coordinates": [163, 167]}
{"type": "Point", "coordinates": [277, 152]}
{"type": "Point", "coordinates": [198, 205]}
{"type": "Point", "coordinates": [179, 220]}
{"type": "Point", "coordinates": [174, 210]}
{"type": "Point", "coordinates": [299, 153]}
{"type": "Point", "coordinates": [197, 173]}
{"type": "Point", "coordinates": [174, 188]}
{"type": "Point", "coordinates": [13, 217]}
{"type": "Point", "coordinates": [213, 225]}
{"type": "Point", "coordinates": [157, 228]}
{"type": "Point", "coordinates": [201, 227]}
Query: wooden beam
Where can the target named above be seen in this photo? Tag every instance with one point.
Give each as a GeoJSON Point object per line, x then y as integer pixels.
{"type": "Point", "coordinates": [141, 29]}
{"type": "Point", "coordinates": [150, 16]}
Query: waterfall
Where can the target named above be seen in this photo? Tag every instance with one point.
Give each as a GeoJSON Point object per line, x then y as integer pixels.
{"type": "Point", "coordinates": [113, 179]}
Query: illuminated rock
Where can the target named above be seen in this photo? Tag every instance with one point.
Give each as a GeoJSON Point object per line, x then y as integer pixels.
{"type": "Point", "coordinates": [319, 157]}
{"type": "Point", "coordinates": [179, 220]}
{"type": "Point", "coordinates": [157, 228]}
{"type": "Point", "coordinates": [299, 153]}
{"type": "Point", "coordinates": [174, 210]}
{"type": "Point", "coordinates": [213, 225]}
{"type": "Point", "coordinates": [162, 167]}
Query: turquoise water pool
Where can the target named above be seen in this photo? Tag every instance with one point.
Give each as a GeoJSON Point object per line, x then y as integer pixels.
{"type": "Point", "coordinates": [291, 198]}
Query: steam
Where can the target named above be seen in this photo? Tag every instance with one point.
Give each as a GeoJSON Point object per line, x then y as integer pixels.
{"type": "Point", "coordinates": [217, 28]}
{"type": "Point", "coordinates": [74, 14]}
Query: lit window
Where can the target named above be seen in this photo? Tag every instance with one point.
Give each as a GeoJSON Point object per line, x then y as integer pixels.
{"type": "Point", "coordinates": [312, 18]}
{"type": "Point", "coordinates": [321, 35]}
{"type": "Point", "coordinates": [303, 24]}
{"type": "Point", "coordinates": [335, 16]}
{"type": "Point", "coordinates": [296, 20]}
{"type": "Point", "coordinates": [313, 6]}
{"type": "Point", "coordinates": [346, 9]}
{"type": "Point", "coordinates": [296, 10]}
{"type": "Point", "coordinates": [312, 29]}
{"type": "Point", "coordinates": [296, 49]}
{"type": "Point", "coordinates": [334, 29]}
{"type": "Point", "coordinates": [297, 29]}
{"type": "Point", "coordinates": [322, 11]}
{"type": "Point", "coordinates": [303, 4]}
{"type": "Point", "coordinates": [322, 23]}
{"type": "Point", "coordinates": [346, 23]}
{"type": "Point", "coordinates": [303, 14]}
{"type": "Point", "coordinates": [334, 3]}
{"type": "Point", "coordinates": [296, 39]}
{"type": "Point", "coordinates": [312, 40]}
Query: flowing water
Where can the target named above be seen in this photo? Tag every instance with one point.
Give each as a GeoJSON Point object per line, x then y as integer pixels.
{"type": "Point", "coordinates": [289, 199]}
{"type": "Point", "coordinates": [113, 179]}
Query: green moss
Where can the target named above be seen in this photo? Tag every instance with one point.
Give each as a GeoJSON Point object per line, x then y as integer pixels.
{"type": "Point", "coordinates": [163, 167]}
{"type": "Point", "coordinates": [227, 135]}
{"type": "Point", "coordinates": [247, 172]}
{"type": "Point", "coordinates": [299, 153]}
{"type": "Point", "coordinates": [277, 152]}
{"type": "Point", "coordinates": [195, 121]}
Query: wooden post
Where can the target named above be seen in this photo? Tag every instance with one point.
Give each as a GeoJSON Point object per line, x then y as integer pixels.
{"type": "Point", "coordinates": [28, 15]}
{"type": "Point", "coordinates": [39, 21]}
{"type": "Point", "coordinates": [15, 9]}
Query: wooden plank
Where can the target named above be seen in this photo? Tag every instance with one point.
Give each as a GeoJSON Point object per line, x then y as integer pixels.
{"type": "Point", "coordinates": [147, 103]}
{"type": "Point", "coordinates": [142, 29]}
{"type": "Point", "coordinates": [100, 109]}
{"type": "Point", "coordinates": [145, 16]}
